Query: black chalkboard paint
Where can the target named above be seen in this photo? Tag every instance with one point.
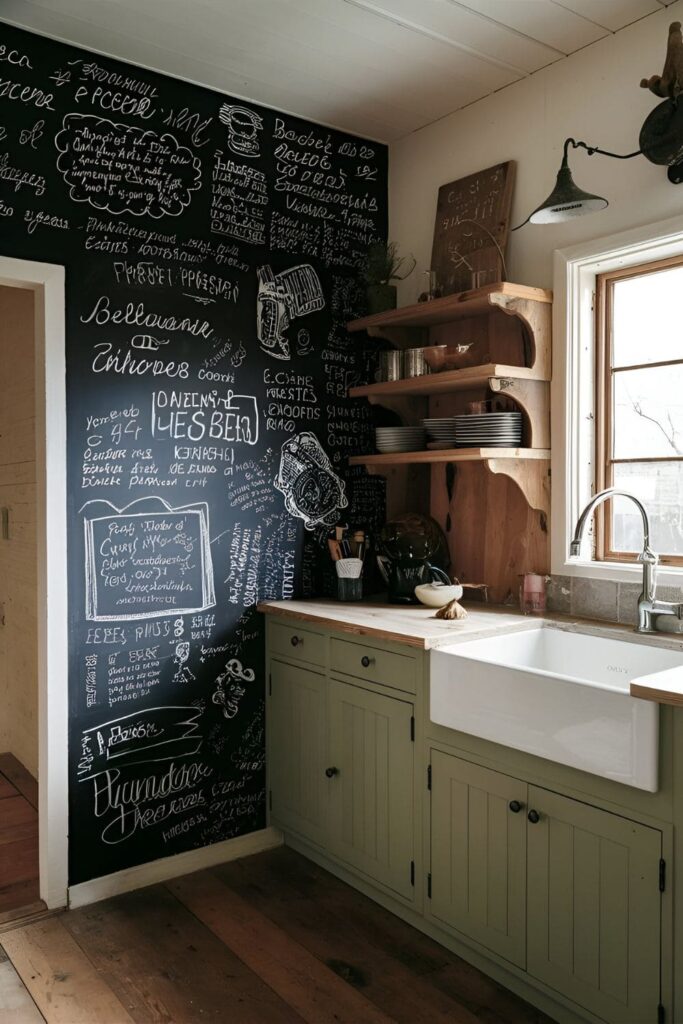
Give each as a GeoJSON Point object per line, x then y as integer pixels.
{"type": "Point", "coordinates": [211, 251]}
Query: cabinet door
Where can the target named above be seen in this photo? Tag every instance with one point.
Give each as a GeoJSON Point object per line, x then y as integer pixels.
{"type": "Point", "coordinates": [594, 907]}
{"type": "Point", "coordinates": [297, 747]}
{"type": "Point", "coordinates": [478, 833]}
{"type": "Point", "coordinates": [371, 793]}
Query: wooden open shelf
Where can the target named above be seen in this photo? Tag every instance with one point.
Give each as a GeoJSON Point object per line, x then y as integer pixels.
{"type": "Point", "coordinates": [493, 502]}
{"type": "Point", "coordinates": [477, 302]}
{"type": "Point", "coordinates": [509, 324]}
{"type": "Point", "coordinates": [530, 395]}
{"type": "Point", "coordinates": [441, 383]}
{"type": "Point", "coordinates": [528, 468]}
{"type": "Point", "coordinates": [448, 455]}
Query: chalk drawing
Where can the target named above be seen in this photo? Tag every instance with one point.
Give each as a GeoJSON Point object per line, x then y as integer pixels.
{"type": "Point", "coordinates": [149, 174]}
{"type": "Point", "coordinates": [153, 735]}
{"type": "Point", "coordinates": [147, 564]}
{"type": "Point", "coordinates": [182, 653]}
{"type": "Point", "coordinates": [243, 127]}
{"type": "Point", "coordinates": [229, 690]}
{"type": "Point", "coordinates": [304, 346]}
{"type": "Point", "coordinates": [312, 490]}
{"type": "Point", "coordinates": [281, 298]}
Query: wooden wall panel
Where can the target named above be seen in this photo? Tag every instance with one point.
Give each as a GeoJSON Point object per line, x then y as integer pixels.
{"type": "Point", "coordinates": [18, 593]}
{"type": "Point", "coordinates": [495, 535]}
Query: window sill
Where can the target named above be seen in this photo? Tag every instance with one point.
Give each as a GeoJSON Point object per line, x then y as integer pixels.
{"type": "Point", "coordinates": [667, 575]}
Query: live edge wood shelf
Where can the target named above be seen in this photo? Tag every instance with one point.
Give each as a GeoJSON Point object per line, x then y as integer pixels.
{"type": "Point", "coordinates": [507, 317]}
{"type": "Point", "coordinates": [496, 500]}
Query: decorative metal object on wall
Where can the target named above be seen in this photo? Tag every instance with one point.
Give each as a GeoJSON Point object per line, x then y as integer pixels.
{"type": "Point", "coordinates": [660, 142]}
{"type": "Point", "coordinates": [471, 229]}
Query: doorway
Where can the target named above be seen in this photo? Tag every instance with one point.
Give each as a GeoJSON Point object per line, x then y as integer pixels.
{"type": "Point", "coordinates": [33, 609]}
{"type": "Point", "coordinates": [18, 605]}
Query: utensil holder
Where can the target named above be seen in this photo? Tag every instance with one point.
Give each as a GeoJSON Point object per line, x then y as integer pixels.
{"type": "Point", "coordinates": [349, 588]}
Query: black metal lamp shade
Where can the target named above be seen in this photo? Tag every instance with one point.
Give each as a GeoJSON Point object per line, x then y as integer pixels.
{"type": "Point", "coordinates": [566, 200]}
{"type": "Point", "coordinates": [661, 142]}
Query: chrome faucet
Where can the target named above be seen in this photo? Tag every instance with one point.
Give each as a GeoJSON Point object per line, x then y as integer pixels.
{"type": "Point", "coordinates": [648, 605]}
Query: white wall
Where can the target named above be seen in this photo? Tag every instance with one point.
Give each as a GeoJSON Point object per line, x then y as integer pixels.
{"type": "Point", "coordinates": [592, 95]}
{"type": "Point", "coordinates": [18, 555]}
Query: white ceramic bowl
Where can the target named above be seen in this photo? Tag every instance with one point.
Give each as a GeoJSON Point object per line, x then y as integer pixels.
{"type": "Point", "coordinates": [436, 595]}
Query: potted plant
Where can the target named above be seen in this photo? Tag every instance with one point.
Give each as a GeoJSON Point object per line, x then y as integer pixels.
{"type": "Point", "coordinates": [382, 266]}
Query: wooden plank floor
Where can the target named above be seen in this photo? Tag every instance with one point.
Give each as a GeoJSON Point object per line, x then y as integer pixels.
{"type": "Point", "coordinates": [19, 886]}
{"type": "Point", "coordinates": [270, 939]}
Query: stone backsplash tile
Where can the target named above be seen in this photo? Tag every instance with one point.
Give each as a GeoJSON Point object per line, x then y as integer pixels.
{"type": "Point", "coordinates": [627, 602]}
{"type": "Point", "coordinates": [605, 599]}
{"type": "Point", "coordinates": [594, 599]}
{"type": "Point", "coordinates": [559, 594]}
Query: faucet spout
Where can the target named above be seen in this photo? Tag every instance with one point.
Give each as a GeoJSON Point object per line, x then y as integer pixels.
{"type": "Point", "coordinates": [598, 499]}
{"type": "Point", "coordinates": [648, 606]}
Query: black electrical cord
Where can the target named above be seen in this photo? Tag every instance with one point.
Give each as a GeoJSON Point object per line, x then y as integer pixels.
{"type": "Point", "coordinates": [596, 149]}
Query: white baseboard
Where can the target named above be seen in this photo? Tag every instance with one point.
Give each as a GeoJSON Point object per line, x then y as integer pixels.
{"type": "Point", "coordinates": [172, 867]}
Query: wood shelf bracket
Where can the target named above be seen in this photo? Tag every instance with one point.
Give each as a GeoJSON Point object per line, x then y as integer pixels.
{"type": "Point", "coordinates": [531, 476]}
{"type": "Point", "coordinates": [533, 397]}
{"type": "Point", "coordinates": [536, 318]}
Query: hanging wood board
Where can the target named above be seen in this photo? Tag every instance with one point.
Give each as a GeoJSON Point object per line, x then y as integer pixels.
{"type": "Point", "coordinates": [472, 215]}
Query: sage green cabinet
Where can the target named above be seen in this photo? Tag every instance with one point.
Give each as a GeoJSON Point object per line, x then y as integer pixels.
{"type": "Point", "coordinates": [594, 907]}
{"type": "Point", "coordinates": [479, 854]}
{"type": "Point", "coordinates": [371, 790]}
{"type": "Point", "coordinates": [548, 889]}
{"type": "Point", "coordinates": [341, 768]}
{"type": "Point", "coordinates": [566, 891]}
{"type": "Point", "coordinates": [297, 725]}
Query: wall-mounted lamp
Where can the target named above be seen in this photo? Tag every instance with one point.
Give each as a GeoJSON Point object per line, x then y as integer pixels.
{"type": "Point", "coordinates": [661, 142]}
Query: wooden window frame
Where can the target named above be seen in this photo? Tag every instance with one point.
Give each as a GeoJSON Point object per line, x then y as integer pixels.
{"type": "Point", "coordinates": [604, 424]}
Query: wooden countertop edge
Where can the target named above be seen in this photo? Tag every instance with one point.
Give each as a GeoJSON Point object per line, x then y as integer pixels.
{"type": "Point", "coordinates": [421, 643]}
{"type": "Point", "coordinates": [657, 696]}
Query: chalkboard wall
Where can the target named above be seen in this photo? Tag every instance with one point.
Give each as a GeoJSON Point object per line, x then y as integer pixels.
{"type": "Point", "coordinates": [211, 249]}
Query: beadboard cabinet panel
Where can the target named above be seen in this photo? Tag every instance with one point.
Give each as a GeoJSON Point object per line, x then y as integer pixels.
{"type": "Point", "coordinates": [371, 794]}
{"type": "Point", "coordinates": [594, 907]}
{"type": "Point", "coordinates": [479, 854]}
{"type": "Point", "coordinates": [297, 745]}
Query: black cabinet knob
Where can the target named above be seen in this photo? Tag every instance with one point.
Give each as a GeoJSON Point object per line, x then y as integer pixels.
{"type": "Point", "coordinates": [331, 772]}
{"type": "Point", "coordinates": [296, 640]}
{"type": "Point", "coordinates": [515, 806]}
{"type": "Point", "coordinates": [366, 662]}
{"type": "Point", "coordinates": [534, 817]}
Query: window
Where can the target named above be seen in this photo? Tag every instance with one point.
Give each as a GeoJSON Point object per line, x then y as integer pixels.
{"type": "Point", "coordinates": [639, 407]}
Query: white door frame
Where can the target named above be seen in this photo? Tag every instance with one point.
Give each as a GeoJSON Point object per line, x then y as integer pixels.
{"type": "Point", "coordinates": [46, 281]}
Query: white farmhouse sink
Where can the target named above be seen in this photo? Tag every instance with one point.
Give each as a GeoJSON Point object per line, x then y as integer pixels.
{"type": "Point", "coordinates": [557, 694]}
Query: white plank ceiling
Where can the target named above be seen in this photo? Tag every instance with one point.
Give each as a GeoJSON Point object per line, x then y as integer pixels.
{"type": "Point", "coordinates": [379, 68]}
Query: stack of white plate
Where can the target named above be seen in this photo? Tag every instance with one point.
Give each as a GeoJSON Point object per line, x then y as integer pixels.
{"type": "Point", "coordinates": [489, 430]}
{"type": "Point", "coordinates": [441, 429]}
{"type": "Point", "coordinates": [400, 439]}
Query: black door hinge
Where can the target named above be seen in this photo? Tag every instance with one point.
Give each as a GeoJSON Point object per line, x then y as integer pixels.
{"type": "Point", "coordinates": [429, 776]}
{"type": "Point", "coordinates": [270, 799]}
{"type": "Point", "coordinates": [270, 685]}
{"type": "Point", "coordinates": [661, 1016]}
{"type": "Point", "coordinates": [429, 885]}
{"type": "Point", "coordinates": [412, 872]}
{"type": "Point", "coordinates": [662, 875]}
{"type": "Point", "coordinates": [412, 728]}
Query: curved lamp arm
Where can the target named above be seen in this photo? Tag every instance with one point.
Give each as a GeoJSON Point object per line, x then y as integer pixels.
{"type": "Point", "coordinates": [565, 190]}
